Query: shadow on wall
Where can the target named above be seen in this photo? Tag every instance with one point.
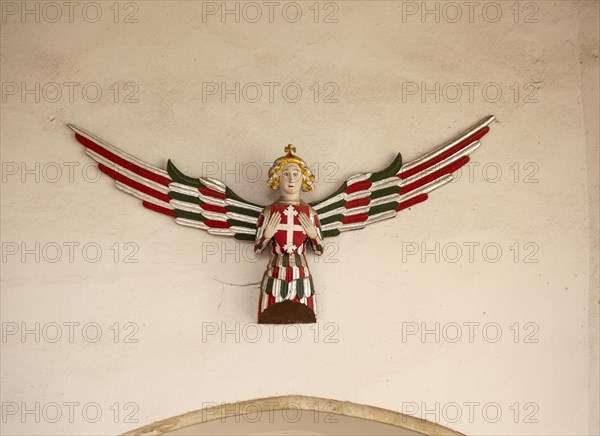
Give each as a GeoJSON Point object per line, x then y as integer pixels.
{"type": "Point", "coordinates": [293, 415]}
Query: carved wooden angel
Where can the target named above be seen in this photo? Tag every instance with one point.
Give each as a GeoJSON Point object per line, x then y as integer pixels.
{"type": "Point", "coordinates": [288, 225]}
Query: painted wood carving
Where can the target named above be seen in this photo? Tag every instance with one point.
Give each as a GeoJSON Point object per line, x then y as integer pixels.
{"type": "Point", "coordinates": [289, 225]}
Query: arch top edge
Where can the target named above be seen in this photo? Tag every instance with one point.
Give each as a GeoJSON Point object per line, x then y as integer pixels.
{"type": "Point", "coordinates": [289, 402]}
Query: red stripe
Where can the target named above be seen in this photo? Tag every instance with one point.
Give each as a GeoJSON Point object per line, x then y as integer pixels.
{"type": "Point", "coordinates": [309, 301]}
{"type": "Point", "coordinates": [358, 203]}
{"type": "Point", "coordinates": [213, 193]}
{"type": "Point", "coordinates": [217, 224]}
{"type": "Point", "coordinates": [452, 150]}
{"type": "Point", "coordinates": [133, 184]}
{"type": "Point", "coordinates": [213, 208]}
{"type": "Point", "coordinates": [156, 208]}
{"type": "Point", "coordinates": [289, 272]}
{"type": "Point", "coordinates": [355, 218]}
{"type": "Point", "coordinates": [271, 299]}
{"type": "Point", "coordinates": [408, 203]}
{"type": "Point", "coordinates": [122, 162]}
{"type": "Point", "coordinates": [365, 184]}
{"type": "Point", "coordinates": [435, 175]}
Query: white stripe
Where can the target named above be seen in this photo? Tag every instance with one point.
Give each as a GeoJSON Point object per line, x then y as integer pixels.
{"type": "Point", "coordinates": [332, 200]}
{"type": "Point", "coordinates": [129, 190]}
{"type": "Point", "coordinates": [244, 218]}
{"type": "Point", "coordinates": [184, 205]}
{"type": "Point", "coordinates": [381, 216]}
{"type": "Point", "coordinates": [358, 178]}
{"type": "Point", "coordinates": [214, 184]}
{"type": "Point", "coordinates": [332, 225]}
{"type": "Point", "coordinates": [291, 291]}
{"type": "Point", "coordinates": [127, 173]}
{"type": "Point", "coordinates": [233, 202]}
{"type": "Point", "coordinates": [357, 195]}
{"type": "Point", "coordinates": [245, 230]}
{"type": "Point", "coordinates": [352, 226]}
{"type": "Point", "coordinates": [451, 159]}
{"type": "Point", "coordinates": [214, 215]}
{"type": "Point", "coordinates": [184, 189]}
{"type": "Point", "coordinates": [191, 223]}
{"type": "Point", "coordinates": [212, 200]}
{"type": "Point", "coordinates": [357, 210]}
{"type": "Point", "coordinates": [386, 183]}
{"type": "Point", "coordinates": [386, 199]}
{"type": "Point", "coordinates": [447, 146]}
{"type": "Point", "coordinates": [223, 232]}
{"type": "Point", "coordinates": [434, 184]}
{"type": "Point", "coordinates": [277, 290]}
{"type": "Point", "coordinates": [332, 212]}
{"type": "Point", "coordinates": [118, 152]}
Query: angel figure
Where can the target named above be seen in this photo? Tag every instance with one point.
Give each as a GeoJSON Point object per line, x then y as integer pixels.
{"type": "Point", "coordinates": [287, 292]}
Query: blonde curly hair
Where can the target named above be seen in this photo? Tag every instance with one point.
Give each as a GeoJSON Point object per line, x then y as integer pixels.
{"type": "Point", "coordinates": [308, 179]}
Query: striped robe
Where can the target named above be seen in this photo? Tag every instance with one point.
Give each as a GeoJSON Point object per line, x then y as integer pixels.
{"type": "Point", "coordinates": [287, 276]}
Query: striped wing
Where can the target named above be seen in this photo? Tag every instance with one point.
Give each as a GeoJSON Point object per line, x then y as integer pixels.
{"type": "Point", "coordinates": [204, 203]}
{"type": "Point", "coordinates": [371, 197]}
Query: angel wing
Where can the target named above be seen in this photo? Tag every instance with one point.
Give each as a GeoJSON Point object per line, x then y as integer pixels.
{"type": "Point", "coordinates": [203, 203]}
{"type": "Point", "coordinates": [371, 197]}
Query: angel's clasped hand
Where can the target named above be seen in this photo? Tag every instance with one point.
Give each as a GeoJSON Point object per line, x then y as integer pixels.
{"type": "Point", "coordinates": [271, 226]}
{"type": "Point", "coordinates": [307, 225]}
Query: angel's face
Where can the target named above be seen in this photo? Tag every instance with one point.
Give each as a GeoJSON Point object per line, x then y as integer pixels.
{"type": "Point", "coordinates": [290, 180]}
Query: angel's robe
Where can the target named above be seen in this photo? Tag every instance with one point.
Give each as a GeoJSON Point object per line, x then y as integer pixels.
{"type": "Point", "coordinates": [287, 292]}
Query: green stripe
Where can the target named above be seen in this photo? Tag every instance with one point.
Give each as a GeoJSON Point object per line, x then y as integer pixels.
{"type": "Point", "coordinates": [242, 211]}
{"type": "Point", "coordinates": [339, 191]}
{"type": "Point", "coordinates": [269, 287]}
{"type": "Point", "coordinates": [245, 237]}
{"type": "Point", "coordinates": [332, 218]}
{"type": "Point", "coordinates": [179, 177]}
{"type": "Point", "coordinates": [392, 205]}
{"type": "Point", "coordinates": [184, 197]}
{"type": "Point", "coordinates": [331, 233]}
{"type": "Point", "coordinates": [189, 215]}
{"type": "Point", "coordinates": [312, 285]}
{"type": "Point", "coordinates": [241, 223]}
{"type": "Point", "coordinates": [391, 170]}
{"type": "Point", "coordinates": [385, 191]}
{"type": "Point", "coordinates": [332, 206]}
{"type": "Point", "coordinates": [300, 288]}
{"type": "Point", "coordinates": [284, 288]}
{"type": "Point", "coordinates": [234, 196]}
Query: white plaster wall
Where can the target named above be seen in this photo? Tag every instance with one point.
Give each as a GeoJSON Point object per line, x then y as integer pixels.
{"type": "Point", "coordinates": [370, 290]}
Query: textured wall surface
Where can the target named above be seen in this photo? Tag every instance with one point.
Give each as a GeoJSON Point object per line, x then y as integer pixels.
{"type": "Point", "coordinates": [476, 309]}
